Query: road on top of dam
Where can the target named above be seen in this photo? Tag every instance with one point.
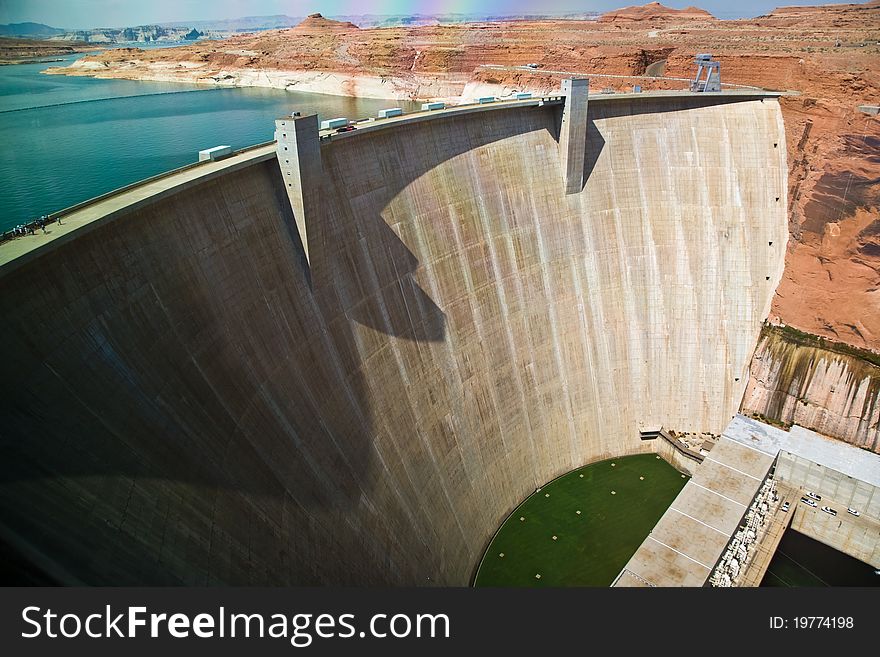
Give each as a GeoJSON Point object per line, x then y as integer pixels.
{"type": "Point", "coordinates": [130, 197]}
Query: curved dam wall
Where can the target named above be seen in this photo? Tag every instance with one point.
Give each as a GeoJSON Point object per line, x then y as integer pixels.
{"type": "Point", "coordinates": [187, 400]}
{"type": "Point", "coordinates": [797, 378]}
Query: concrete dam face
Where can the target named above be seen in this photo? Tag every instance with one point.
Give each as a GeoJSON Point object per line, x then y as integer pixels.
{"type": "Point", "coordinates": [189, 400]}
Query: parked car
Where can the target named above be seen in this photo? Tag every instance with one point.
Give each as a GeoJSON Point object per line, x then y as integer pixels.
{"type": "Point", "coordinates": [818, 498]}
{"type": "Point", "coordinates": [808, 502]}
{"type": "Point", "coordinates": [829, 510]}
{"type": "Point", "coordinates": [853, 512]}
{"type": "Point", "coordinates": [785, 506]}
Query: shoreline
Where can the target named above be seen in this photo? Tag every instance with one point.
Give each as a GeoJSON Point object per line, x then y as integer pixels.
{"type": "Point", "coordinates": [334, 83]}
{"type": "Point", "coordinates": [12, 62]}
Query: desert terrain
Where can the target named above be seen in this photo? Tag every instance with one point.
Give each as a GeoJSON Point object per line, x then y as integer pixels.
{"type": "Point", "coordinates": [15, 51]}
{"type": "Point", "coordinates": [827, 55]}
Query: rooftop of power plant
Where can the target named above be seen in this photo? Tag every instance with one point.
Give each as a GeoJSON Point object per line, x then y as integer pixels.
{"type": "Point", "coordinates": [687, 544]}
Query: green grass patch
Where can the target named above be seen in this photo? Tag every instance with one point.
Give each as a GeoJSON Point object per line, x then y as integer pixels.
{"type": "Point", "coordinates": [592, 547]}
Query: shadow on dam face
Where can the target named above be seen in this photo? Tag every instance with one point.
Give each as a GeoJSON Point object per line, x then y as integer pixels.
{"type": "Point", "coordinates": [370, 277]}
{"type": "Point", "coordinates": [614, 108]}
{"type": "Point", "coordinates": [186, 402]}
{"type": "Point", "coordinates": [174, 380]}
{"type": "Point", "coordinates": [175, 365]}
{"type": "Point", "coordinates": [359, 264]}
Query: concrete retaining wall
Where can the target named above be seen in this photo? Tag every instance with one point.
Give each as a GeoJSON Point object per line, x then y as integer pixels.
{"type": "Point", "coordinates": [856, 537]}
{"type": "Point", "coordinates": [837, 394]}
{"type": "Point", "coordinates": [829, 483]}
{"type": "Point", "coordinates": [680, 459]}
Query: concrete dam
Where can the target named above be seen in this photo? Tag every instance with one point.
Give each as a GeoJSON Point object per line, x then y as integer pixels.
{"type": "Point", "coordinates": [193, 395]}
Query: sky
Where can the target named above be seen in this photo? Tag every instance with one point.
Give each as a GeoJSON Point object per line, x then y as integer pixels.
{"type": "Point", "coordinates": [81, 14]}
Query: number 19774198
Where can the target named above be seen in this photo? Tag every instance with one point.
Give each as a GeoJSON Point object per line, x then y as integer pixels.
{"type": "Point", "coordinates": [822, 622]}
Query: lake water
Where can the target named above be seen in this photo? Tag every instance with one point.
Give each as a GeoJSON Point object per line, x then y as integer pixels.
{"type": "Point", "coordinates": [67, 139]}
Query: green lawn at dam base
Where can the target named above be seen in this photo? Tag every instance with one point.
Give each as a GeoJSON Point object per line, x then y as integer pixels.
{"type": "Point", "coordinates": [582, 528]}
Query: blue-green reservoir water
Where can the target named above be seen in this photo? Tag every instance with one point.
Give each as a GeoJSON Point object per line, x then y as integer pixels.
{"type": "Point", "coordinates": [67, 139]}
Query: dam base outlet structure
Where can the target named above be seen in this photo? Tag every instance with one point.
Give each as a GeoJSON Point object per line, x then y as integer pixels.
{"type": "Point", "coordinates": [349, 368]}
